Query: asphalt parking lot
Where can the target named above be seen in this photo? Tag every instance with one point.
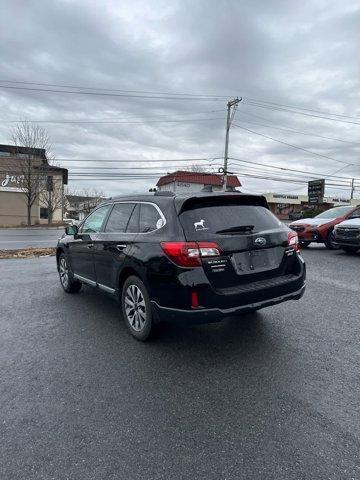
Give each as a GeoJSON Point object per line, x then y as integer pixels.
{"type": "Point", "coordinates": [269, 396]}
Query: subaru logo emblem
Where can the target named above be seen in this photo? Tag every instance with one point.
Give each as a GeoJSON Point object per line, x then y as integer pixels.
{"type": "Point", "coordinates": [260, 241]}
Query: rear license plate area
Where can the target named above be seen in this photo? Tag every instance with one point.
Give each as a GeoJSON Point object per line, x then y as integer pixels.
{"type": "Point", "coordinates": [255, 261]}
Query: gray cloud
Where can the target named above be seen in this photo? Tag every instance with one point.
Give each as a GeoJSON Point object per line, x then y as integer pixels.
{"type": "Point", "coordinates": [294, 53]}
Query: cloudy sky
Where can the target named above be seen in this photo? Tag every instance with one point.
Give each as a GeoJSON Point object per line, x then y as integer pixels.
{"type": "Point", "coordinates": [296, 65]}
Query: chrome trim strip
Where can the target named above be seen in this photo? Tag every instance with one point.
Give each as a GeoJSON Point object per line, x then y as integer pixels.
{"type": "Point", "coordinates": [85, 280]}
{"type": "Point", "coordinates": [234, 309]}
{"type": "Point", "coordinates": [141, 233]}
{"type": "Point", "coordinates": [105, 288]}
{"type": "Point", "coordinates": [94, 284]}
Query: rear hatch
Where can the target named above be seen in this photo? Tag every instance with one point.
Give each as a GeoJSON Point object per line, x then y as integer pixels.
{"type": "Point", "coordinates": [253, 242]}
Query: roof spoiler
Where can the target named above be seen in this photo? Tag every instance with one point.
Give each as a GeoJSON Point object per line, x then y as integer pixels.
{"type": "Point", "coordinates": [223, 198]}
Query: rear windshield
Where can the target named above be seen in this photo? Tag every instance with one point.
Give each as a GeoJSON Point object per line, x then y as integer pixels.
{"type": "Point", "coordinates": [198, 223]}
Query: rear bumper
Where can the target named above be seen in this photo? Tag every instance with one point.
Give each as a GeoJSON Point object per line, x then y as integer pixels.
{"type": "Point", "coordinates": [208, 315]}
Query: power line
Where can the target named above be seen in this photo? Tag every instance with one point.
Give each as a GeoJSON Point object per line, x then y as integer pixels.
{"type": "Point", "coordinates": [276, 167]}
{"type": "Point", "coordinates": [280, 109]}
{"type": "Point", "coordinates": [148, 177]}
{"type": "Point", "coordinates": [299, 108]}
{"type": "Point", "coordinates": [276, 173]}
{"type": "Point", "coordinates": [102, 94]}
{"type": "Point", "coordinates": [136, 160]}
{"type": "Point", "coordinates": [152, 92]}
{"type": "Point", "coordinates": [114, 89]}
{"type": "Point", "coordinates": [292, 130]}
{"type": "Point", "coordinates": [190, 120]}
{"type": "Point", "coordinates": [293, 146]}
{"type": "Point", "coordinates": [150, 168]}
{"type": "Point", "coordinates": [111, 120]}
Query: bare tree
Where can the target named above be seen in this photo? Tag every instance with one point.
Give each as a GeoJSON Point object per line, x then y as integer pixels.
{"type": "Point", "coordinates": [199, 169]}
{"type": "Point", "coordinates": [94, 197]}
{"type": "Point", "coordinates": [88, 198]}
{"type": "Point", "coordinates": [30, 168]}
{"type": "Point", "coordinates": [51, 195]}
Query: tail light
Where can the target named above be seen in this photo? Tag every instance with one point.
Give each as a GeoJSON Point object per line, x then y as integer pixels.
{"type": "Point", "coordinates": [293, 241]}
{"type": "Point", "coordinates": [189, 254]}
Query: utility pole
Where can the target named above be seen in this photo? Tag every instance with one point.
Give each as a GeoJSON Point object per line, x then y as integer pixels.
{"type": "Point", "coordinates": [231, 109]}
{"type": "Point", "coordinates": [352, 188]}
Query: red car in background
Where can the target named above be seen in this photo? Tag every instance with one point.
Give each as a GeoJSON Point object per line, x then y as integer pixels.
{"type": "Point", "coordinates": [320, 228]}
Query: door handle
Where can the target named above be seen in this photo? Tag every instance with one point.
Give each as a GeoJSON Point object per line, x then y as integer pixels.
{"type": "Point", "coordinates": [89, 245]}
{"type": "Point", "coordinates": [121, 247]}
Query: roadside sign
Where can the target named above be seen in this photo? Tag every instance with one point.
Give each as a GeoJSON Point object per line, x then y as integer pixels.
{"type": "Point", "coordinates": [316, 190]}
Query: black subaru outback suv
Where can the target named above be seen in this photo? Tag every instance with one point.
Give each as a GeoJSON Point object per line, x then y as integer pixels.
{"type": "Point", "coordinates": [193, 258]}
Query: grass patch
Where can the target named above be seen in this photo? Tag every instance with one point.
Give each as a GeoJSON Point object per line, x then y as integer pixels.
{"type": "Point", "coordinates": [27, 252]}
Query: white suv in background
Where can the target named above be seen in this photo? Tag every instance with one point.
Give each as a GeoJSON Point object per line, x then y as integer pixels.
{"type": "Point", "coordinates": [347, 233]}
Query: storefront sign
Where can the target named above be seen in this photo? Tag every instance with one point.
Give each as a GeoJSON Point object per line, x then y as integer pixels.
{"type": "Point", "coordinates": [12, 181]}
{"type": "Point", "coordinates": [316, 190]}
{"type": "Point", "coordinates": [288, 197]}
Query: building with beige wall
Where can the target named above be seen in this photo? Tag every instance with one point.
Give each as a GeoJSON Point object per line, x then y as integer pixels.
{"type": "Point", "coordinates": [284, 204]}
{"type": "Point", "coordinates": [18, 165]}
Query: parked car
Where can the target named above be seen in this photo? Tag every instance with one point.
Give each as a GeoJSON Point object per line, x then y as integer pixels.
{"type": "Point", "coordinates": [296, 215]}
{"type": "Point", "coordinates": [347, 233]}
{"type": "Point", "coordinates": [320, 229]}
{"type": "Point", "coordinates": [188, 258]}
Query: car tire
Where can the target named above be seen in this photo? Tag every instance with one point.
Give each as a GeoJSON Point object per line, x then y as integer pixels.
{"type": "Point", "coordinates": [136, 308]}
{"type": "Point", "coordinates": [68, 283]}
{"type": "Point", "coordinates": [330, 242]}
{"type": "Point", "coordinates": [304, 244]}
{"type": "Point", "coordinates": [350, 249]}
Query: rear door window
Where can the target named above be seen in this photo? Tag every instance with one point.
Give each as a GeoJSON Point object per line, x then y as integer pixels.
{"type": "Point", "coordinates": [119, 217]}
{"type": "Point", "coordinates": [133, 225]}
{"type": "Point", "coordinates": [150, 218]}
{"type": "Point", "coordinates": [199, 223]}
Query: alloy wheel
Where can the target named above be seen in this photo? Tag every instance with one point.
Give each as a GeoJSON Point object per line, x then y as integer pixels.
{"type": "Point", "coordinates": [64, 272]}
{"type": "Point", "coordinates": [135, 308]}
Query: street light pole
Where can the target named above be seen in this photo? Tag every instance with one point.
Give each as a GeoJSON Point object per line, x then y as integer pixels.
{"type": "Point", "coordinates": [231, 109]}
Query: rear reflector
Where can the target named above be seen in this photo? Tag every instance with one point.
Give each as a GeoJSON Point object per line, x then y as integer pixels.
{"type": "Point", "coordinates": [194, 299]}
{"type": "Point", "coordinates": [293, 241]}
{"type": "Point", "coordinates": [189, 254]}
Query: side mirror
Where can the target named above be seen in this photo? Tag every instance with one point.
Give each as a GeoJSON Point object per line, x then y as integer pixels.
{"type": "Point", "coordinates": [71, 230]}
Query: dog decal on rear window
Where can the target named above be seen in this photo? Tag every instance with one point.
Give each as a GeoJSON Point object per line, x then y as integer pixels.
{"type": "Point", "coordinates": [200, 225]}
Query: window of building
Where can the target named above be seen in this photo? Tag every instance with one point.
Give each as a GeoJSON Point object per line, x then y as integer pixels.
{"type": "Point", "coordinates": [94, 221]}
{"type": "Point", "coordinates": [119, 217]}
{"type": "Point", "coordinates": [4, 154]}
{"type": "Point", "coordinates": [44, 213]}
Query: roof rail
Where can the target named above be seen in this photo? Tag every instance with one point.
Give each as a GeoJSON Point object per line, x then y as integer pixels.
{"type": "Point", "coordinates": [164, 193]}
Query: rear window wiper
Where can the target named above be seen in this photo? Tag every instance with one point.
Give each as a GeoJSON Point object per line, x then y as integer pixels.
{"type": "Point", "coordinates": [238, 229]}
